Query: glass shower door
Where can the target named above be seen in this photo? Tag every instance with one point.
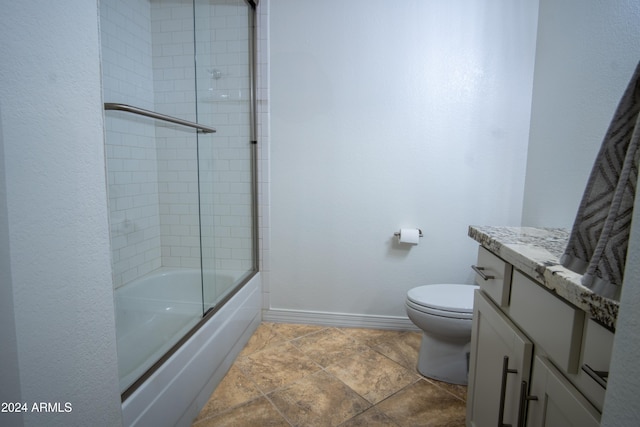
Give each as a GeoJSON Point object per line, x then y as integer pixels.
{"type": "Point", "coordinates": [225, 159]}
{"type": "Point", "coordinates": [148, 65]}
{"type": "Point", "coordinates": [181, 202]}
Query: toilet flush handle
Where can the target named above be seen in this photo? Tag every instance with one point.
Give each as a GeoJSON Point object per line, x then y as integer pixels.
{"type": "Point", "coordinates": [481, 273]}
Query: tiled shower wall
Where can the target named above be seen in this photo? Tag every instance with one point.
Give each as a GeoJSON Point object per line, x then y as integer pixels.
{"type": "Point", "coordinates": [130, 141]}
{"type": "Point", "coordinates": [174, 86]}
{"type": "Point", "coordinates": [153, 167]}
{"type": "Point", "coordinates": [223, 99]}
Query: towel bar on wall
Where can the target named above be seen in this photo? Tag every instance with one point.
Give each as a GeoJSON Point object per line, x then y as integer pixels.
{"type": "Point", "coordinates": [153, 114]}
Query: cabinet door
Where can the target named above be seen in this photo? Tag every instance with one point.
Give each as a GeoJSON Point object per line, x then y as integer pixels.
{"type": "Point", "coordinates": [557, 403]}
{"type": "Point", "coordinates": [500, 360]}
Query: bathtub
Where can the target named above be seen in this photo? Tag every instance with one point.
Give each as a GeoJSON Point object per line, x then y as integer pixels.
{"type": "Point", "coordinates": [152, 314]}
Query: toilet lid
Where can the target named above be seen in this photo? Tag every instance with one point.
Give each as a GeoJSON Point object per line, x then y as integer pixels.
{"type": "Point", "coordinates": [456, 298]}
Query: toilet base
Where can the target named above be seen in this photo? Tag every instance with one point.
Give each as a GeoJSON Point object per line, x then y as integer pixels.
{"type": "Point", "coordinates": [446, 361]}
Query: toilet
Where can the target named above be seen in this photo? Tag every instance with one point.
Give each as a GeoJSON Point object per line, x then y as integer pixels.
{"type": "Point", "coordinates": [443, 312]}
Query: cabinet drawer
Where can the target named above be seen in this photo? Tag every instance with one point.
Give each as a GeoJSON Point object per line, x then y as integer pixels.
{"type": "Point", "coordinates": [551, 323]}
{"type": "Point", "coordinates": [498, 282]}
{"type": "Point", "coordinates": [596, 356]}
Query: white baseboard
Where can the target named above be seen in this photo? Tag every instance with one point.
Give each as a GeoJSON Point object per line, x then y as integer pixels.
{"type": "Point", "coordinates": [338, 319]}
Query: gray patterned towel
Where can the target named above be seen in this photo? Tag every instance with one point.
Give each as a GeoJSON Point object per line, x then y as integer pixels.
{"type": "Point", "coordinates": [597, 246]}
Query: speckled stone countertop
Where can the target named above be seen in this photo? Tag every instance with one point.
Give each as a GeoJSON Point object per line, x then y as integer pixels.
{"type": "Point", "coordinates": [536, 252]}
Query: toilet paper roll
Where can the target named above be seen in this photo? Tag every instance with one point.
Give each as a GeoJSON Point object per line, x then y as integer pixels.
{"type": "Point", "coordinates": [409, 235]}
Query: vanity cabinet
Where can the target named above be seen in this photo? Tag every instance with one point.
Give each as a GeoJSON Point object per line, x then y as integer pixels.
{"type": "Point", "coordinates": [500, 360]}
{"type": "Point", "coordinates": [529, 349]}
{"type": "Point", "coordinates": [557, 402]}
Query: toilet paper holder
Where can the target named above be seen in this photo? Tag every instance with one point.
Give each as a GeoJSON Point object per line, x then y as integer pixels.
{"type": "Point", "coordinates": [397, 233]}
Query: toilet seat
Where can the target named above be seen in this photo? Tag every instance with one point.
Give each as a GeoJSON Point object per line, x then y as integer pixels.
{"type": "Point", "coordinates": [446, 300]}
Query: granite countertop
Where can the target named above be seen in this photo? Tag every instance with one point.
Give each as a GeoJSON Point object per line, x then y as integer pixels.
{"type": "Point", "coordinates": [536, 252]}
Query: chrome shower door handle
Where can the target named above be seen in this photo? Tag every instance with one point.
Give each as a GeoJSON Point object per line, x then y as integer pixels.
{"type": "Point", "coordinates": [480, 272]}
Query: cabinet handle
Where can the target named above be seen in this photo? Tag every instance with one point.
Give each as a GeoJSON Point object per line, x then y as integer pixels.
{"type": "Point", "coordinates": [503, 389]}
{"type": "Point", "coordinates": [481, 273]}
{"type": "Point", "coordinates": [523, 404]}
{"type": "Point", "coordinates": [598, 376]}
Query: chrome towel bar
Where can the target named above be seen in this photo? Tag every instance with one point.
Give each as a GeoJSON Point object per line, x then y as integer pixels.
{"type": "Point", "coordinates": [153, 114]}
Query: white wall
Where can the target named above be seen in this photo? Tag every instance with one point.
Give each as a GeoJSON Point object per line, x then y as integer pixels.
{"type": "Point", "coordinates": [388, 115]}
{"type": "Point", "coordinates": [55, 215]}
{"type": "Point", "coordinates": [586, 53]}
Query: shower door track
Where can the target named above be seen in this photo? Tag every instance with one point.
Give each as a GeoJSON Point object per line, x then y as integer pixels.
{"type": "Point", "coordinates": [153, 114]}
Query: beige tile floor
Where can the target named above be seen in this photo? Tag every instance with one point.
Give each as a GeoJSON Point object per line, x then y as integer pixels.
{"type": "Point", "coordinates": [303, 375]}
